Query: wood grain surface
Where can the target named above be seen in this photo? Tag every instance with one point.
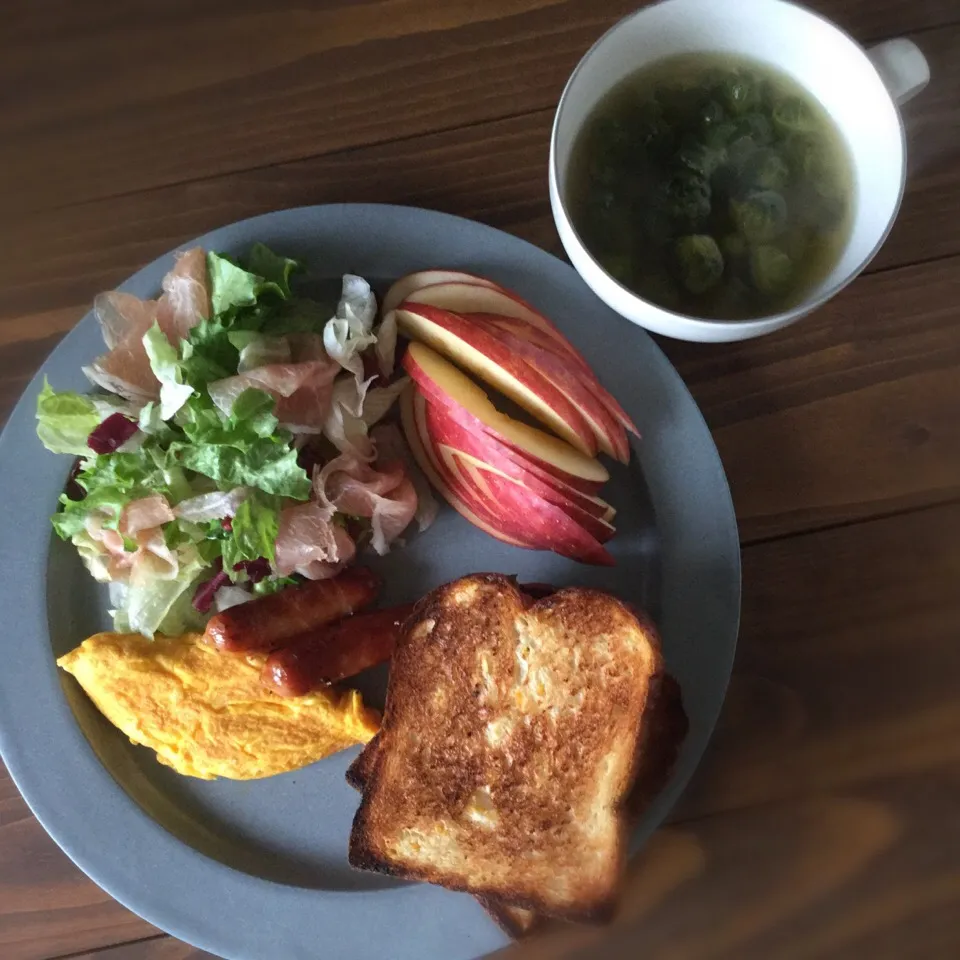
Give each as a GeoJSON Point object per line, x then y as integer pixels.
{"type": "Point", "coordinates": [823, 822]}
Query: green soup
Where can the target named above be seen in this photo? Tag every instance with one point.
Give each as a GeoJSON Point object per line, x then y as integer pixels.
{"type": "Point", "coordinates": [713, 186]}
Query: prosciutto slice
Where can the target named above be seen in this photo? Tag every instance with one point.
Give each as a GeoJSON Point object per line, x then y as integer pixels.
{"type": "Point", "coordinates": [385, 495]}
{"type": "Point", "coordinates": [124, 319]}
{"type": "Point", "coordinates": [142, 514]}
{"type": "Point", "coordinates": [303, 391]}
{"type": "Point", "coordinates": [186, 297]}
{"type": "Point", "coordinates": [106, 553]}
{"type": "Point", "coordinates": [391, 446]}
{"type": "Point", "coordinates": [211, 506]}
{"type": "Point", "coordinates": [310, 543]}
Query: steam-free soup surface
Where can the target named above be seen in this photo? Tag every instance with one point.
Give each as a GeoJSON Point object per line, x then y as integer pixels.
{"type": "Point", "coordinates": [713, 186]}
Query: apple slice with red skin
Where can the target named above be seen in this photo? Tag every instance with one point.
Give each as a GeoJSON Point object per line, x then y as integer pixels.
{"type": "Point", "coordinates": [474, 298]}
{"type": "Point", "coordinates": [489, 447]}
{"type": "Point", "coordinates": [457, 486]}
{"type": "Point", "coordinates": [440, 479]}
{"type": "Point", "coordinates": [533, 325]}
{"type": "Point", "coordinates": [611, 437]}
{"type": "Point", "coordinates": [538, 338]}
{"type": "Point", "coordinates": [408, 284]}
{"type": "Point", "coordinates": [531, 523]}
{"type": "Point", "coordinates": [543, 523]}
{"type": "Point", "coordinates": [447, 430]}
{"type": "Point", "coordinates": [599, 529]}
{"type": "Point", "coordinates": [474, 347]}
{"type": "Point", "coordinates": [444, 384]}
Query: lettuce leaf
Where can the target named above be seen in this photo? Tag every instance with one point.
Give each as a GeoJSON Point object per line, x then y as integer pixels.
{"type": "Point", "coordinates": [163, 606]}
{"type": "Point", "coordinates": [350, 331]}
{"type": "Point", "coordinates": [152, 423]}
{"type": "Point", "coordinates": [254, 531]}
{"type": "Point", "coordinates": [65, 421]}
{"type": "Point", "coordinates": [208, 353]}
{"type": "Point", "coordinates": [165, 364]}
{"type": "Point", "coordinates": [111, 481]}
{"type": "Point", "coordinates": [233, 287]}
{"type": "Point", "coordinates": [267, 464]}
{"type": "Point", "coordinates": [273, 585]}
{"type": "Point", "coordinates": [272, 268]}
{"type": "Point", "coordinates": [251, 417]}
{"type": "Point", "coordinates": [247, 449]}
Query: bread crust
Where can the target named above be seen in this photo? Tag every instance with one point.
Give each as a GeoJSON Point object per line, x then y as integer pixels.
{"type": "Point", "coordinates": [664, 729]}
{"type": "Point", "coordinates": [535, 819]}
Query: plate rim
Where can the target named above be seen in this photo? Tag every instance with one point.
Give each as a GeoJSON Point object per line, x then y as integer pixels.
{"type": "Point", "coordinates": [39, 789]}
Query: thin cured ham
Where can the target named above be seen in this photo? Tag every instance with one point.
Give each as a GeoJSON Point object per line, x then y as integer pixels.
{"type": "Point", "coordinates": [186, 297]}
{"type": "Point", "coordinates": [384, 495]}
{"type": "Point", "coordinates": [142, 514]}
{"type": "Point", "coordinates": [303, 391]}
{"type": "Point", "coordinates": [310, 543]}
{"type": "Point", "coordinates": [136, 552]}
{"type": "Point", "coordinates": [124, 319]}
{"type": "Point", "coordinates": [211, 506]}
{"type": "Point", "coordinates": [390, 445]}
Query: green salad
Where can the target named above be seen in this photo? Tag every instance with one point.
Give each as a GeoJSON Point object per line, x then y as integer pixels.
{"type": "Point", "coordinates": [227, 452]}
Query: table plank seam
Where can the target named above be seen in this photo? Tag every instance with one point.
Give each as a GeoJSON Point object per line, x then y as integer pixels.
{"type": "Point", "coordinates": [759, 541]}
{"type": "Point", "coordinates": [108, 946]}
{"type": "Point", "coordinates": [288, 161]}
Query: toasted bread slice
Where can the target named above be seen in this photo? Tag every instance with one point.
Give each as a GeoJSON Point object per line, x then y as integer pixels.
{"type": "Point", "coordinates": [664, 729]}
{"type": "Point", "coordinates": [517, 921]}
{"type": "Point", "coordinates": [509, 746]}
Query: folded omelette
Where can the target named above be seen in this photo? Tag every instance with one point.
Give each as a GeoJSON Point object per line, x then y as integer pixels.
{"type": "Point", "coordinates": [206, 714]}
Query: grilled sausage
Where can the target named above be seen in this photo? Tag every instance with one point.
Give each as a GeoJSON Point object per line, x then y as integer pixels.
{"type": "Point", "coordinates": [334, 652]}
{"type": "Point", "coordinates": [264, 623]}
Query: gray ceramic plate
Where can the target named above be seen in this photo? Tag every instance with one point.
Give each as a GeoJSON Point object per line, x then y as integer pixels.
{"type": "Point", "coordinates": [256, 870]}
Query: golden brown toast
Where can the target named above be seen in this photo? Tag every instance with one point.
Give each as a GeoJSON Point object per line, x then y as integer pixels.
{"type": "Point", "coordinates": [510, 742]}
{"type": "Point", "coordinates": [664, 729]}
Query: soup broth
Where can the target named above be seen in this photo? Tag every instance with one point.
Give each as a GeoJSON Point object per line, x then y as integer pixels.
{"type": "Point", "coordinates": [713, 186]}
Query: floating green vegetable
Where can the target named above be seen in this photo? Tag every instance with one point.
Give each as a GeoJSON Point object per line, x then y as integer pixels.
{"type": "Point", "coordinates": [770, 268]}
{"type": "Point", "coordinates": [760, 216]}
{"type": "Point", "coordinates": [792, 115]}
{"type": "Point", "coordinates": [685, 198]}
{"type": "Point", "coordinates": [767, 170]}
{"type": "Point", "coordinates": [734, 248]}
{"type": "Point", "coordinates": [699, 262]}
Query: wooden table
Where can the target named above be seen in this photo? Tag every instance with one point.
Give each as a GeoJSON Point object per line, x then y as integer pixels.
{"type": "Point", "coordinates": [825, 819]}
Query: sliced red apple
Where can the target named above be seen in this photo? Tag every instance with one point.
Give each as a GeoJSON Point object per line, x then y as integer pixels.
{"type": "Point", "coordinates": [543, 523]}
{"type": "Point", "coordinates": [481, 352]}
{"type": "Point", "coordinates": [536, 336]}
{"type": "Point", "coordinates": [443, 383]}
{"type": "Point", "coordinates": [405, 286]}
{"type": "Point", "coordinates": [611, 437]}
{"type": "Point", "coordinates": [440, 479]}
{"type": "Point", "coordinates": [485, 447]}
{"type": "Point", "coordinates": [473, 298]}
{"type": "Point", "coordinates": [462, 489]}
{"type": "Point", "coordinates": [597, 528]}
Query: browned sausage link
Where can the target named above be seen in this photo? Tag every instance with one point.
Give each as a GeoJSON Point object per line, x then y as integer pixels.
{"type": "Point", "coordinates": [334, 652]}
{"type": "Point", "coordinates": [263, 623]}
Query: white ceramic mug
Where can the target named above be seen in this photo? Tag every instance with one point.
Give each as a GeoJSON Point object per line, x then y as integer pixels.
{"type": "Point", "coordinates": [860, 90]}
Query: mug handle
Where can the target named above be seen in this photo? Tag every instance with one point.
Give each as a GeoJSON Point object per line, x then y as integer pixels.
{"type": "Point", "coordinates": [902, 67]}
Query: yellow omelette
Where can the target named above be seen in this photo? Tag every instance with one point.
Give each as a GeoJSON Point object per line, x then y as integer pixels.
{"type": "Point", "coordinates": [205, 712]}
